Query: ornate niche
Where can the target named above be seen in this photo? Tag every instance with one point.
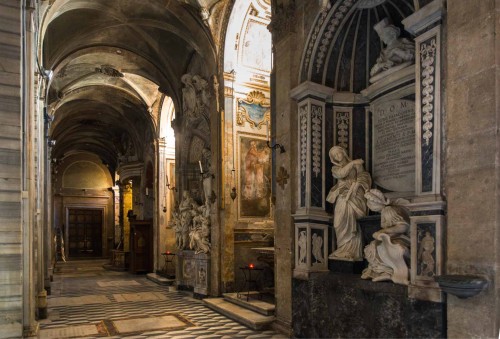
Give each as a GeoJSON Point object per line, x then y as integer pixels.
{"type": "Point", "coordinates": [255, 109]}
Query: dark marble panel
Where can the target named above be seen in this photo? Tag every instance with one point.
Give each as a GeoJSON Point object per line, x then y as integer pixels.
{"type": "Point", "coordinates": [328, 144]}
{"type": "Point", "coordinates": [341, 266]}
{"type": "Point", "coordinates": [336, 305]}
{"type": "Point", "coordinates": [427, 165]}
{"type": "Point", "coordinates": [359, 133]}
{"type": "Point", "coordinates": [302, 190]}
{"type": "Point", "coordinates": [316, 191]}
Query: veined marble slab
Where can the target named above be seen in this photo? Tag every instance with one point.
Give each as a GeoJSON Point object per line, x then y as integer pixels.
{"type": "Point", "coordinates": [84, 300]}
{"type": "Point", "coordinates": [116, 283]}
{"type": "Point", "coordinates": [141, 296]}
{"type": "Point", "coordinates": [68, 332]}
{"type": "Point", "coordinates": [147, 324]}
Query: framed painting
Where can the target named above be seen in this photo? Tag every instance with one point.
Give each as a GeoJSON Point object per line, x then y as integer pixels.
{"type": "Point", "coordinates": [254, 177]}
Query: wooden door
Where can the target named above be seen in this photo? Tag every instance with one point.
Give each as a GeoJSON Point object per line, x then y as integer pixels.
{"type": "Point", "coordinates": [85, 232]}
{"type": "Point", "coordinates": [141, 251]}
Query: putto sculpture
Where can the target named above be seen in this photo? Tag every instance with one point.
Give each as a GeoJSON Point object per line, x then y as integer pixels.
{"type": "Point", "coordinates": [350, 203]}
{"type": "Point", "coordinates": [389, 252]}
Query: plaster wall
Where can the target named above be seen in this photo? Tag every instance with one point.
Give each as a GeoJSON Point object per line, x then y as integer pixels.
{"type": "Point", "coordinates": [472, 166]}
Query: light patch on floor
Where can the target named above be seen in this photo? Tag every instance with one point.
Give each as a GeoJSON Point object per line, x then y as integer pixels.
{"type": "Point", "coordinates": [147, 324]}
{"type": "Point", "coordinates": [118, 283]}
{"type": "Point", "coordinates": [90, 268]}
{"type": "Point", "coordinates": [68, 332]}
{"type": "Point", "coordinates": [141, 296]}
{"type": "Point", "coordinates": [75, 301]}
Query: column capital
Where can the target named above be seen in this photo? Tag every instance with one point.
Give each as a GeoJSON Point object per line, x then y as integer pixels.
{"type": "Point", "coordinates": [422, 19]}
{"type": "Point", "coordinates": [309, 89]}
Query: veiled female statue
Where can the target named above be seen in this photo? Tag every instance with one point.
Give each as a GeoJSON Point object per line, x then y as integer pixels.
{"type": "Point", "coordinates": [348, 194]}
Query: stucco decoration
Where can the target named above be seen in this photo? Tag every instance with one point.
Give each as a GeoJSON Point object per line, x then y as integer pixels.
{"type": "Point", "coordinates": [389, 253]}
{"type": "Point", "coordinates": [255, 109]}
{"type": "Point", "coordinates": [195, 99]}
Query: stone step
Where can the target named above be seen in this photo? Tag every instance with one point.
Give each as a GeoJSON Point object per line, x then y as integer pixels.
{"type": "Point", "coordinates": [160, 280]}
{"type": "Point", "coordinates": [253, 303]}
{"type": "Point", "coordinates": [240, 314]}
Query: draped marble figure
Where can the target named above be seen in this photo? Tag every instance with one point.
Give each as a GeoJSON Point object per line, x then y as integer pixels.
{"type": "Point", "coordinates": [397, 51]}
{"type": "Point", "coordinates": [350, 204]}
{"type": "Point", "coordinates": [389, 252]}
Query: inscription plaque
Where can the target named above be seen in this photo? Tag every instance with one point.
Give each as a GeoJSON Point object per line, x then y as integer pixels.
{"type": "Point", "coordinates": [394, 145]}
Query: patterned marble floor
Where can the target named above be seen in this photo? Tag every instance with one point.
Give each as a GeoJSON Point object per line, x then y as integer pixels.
{"type": "Point", "coordinates": [90, 302]}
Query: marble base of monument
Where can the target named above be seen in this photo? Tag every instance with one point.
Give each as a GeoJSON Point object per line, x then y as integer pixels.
{"type": "Point", "coordinates": [193, 272]}
{"type": "Point", "coordinates": [336, 305]}
{"type": "Point", "coordinates": [344, 266]}
{"type": "Point", "coordinates": [185, 269]}
{"type": "Point", "coordinates": [202, 274]}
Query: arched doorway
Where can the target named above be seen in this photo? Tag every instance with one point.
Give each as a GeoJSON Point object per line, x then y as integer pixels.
{"type": "Point", "coordinates": [248, 161]}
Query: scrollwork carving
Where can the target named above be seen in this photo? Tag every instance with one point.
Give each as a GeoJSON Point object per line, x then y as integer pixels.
{"type": "Point", "coordinates": [428, 58]}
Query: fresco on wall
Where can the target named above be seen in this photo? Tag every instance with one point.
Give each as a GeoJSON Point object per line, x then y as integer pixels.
{"type": "Point", "coordinates": [254, 177]}
{"type": "Point", "coordinates": [256, 46]}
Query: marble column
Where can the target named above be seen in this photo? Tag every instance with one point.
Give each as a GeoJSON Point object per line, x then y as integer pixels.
{"type": "Point", "coordinates": [428, 207]}
{"type": "Point", "coordinates": [310, 219]}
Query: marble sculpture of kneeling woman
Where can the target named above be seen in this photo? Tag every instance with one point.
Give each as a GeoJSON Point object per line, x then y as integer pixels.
{"type": "Point", "coordinates": [348, 194]}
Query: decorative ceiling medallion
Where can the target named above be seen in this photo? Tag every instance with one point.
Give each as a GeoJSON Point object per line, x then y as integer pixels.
{"type": "Point", "coordinates": [109, 71]}
{"type": "Point", "coordinates": [255, 109]}
{"type": "Point", "coordinates": [369, 3]}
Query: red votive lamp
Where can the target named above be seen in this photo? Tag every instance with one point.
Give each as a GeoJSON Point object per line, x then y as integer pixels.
{"type": "Point", "coordinates": [251, 266]}
{"type": "Point", "coordinates": [167, 252]}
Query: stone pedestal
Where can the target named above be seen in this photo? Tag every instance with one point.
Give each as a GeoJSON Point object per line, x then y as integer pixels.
{"type": "Point", "coordinates": [202, 275]}
{"type": "Point", "coordinates": [185, 270]}
{"type": "Point", "coordinates": [193, 273]}
{"type": "Point", "coordinates": [336, 305]}
{"type": "Point", "coordinates": [311, 248]}
{"type": "Point", "coordinates": [311, 220]}
{"type": "Point", "coordinates": [344, 266]}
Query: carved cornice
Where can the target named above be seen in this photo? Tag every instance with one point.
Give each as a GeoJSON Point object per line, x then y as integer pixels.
{"type": "Point", "coordinates": [283, 21]}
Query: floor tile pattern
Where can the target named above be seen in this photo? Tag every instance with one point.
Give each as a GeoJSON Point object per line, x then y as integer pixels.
{"type": "Point", "coordinates": [87, 301]}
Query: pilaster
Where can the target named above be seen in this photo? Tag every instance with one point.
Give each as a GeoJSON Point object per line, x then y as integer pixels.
{"type": "Point", "coordinates": [428, 208]}
{"type": "Point", "coordinates": [311, 220]}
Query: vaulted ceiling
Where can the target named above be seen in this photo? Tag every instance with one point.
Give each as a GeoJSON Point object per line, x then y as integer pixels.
{"type": "Point", "coordinates": [112, 62]}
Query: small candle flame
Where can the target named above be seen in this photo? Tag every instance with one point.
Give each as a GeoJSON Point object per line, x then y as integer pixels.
{"type": "Point", "coordinates": [251, 266]}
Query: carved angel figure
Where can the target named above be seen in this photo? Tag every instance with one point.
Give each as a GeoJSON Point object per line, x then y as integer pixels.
{"type": "Point", "coordinates": [302, 243]}
{"type": "Point", "coordinates": [389, 253]}
{"type": "Point", "coordinates": [317, 246]}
